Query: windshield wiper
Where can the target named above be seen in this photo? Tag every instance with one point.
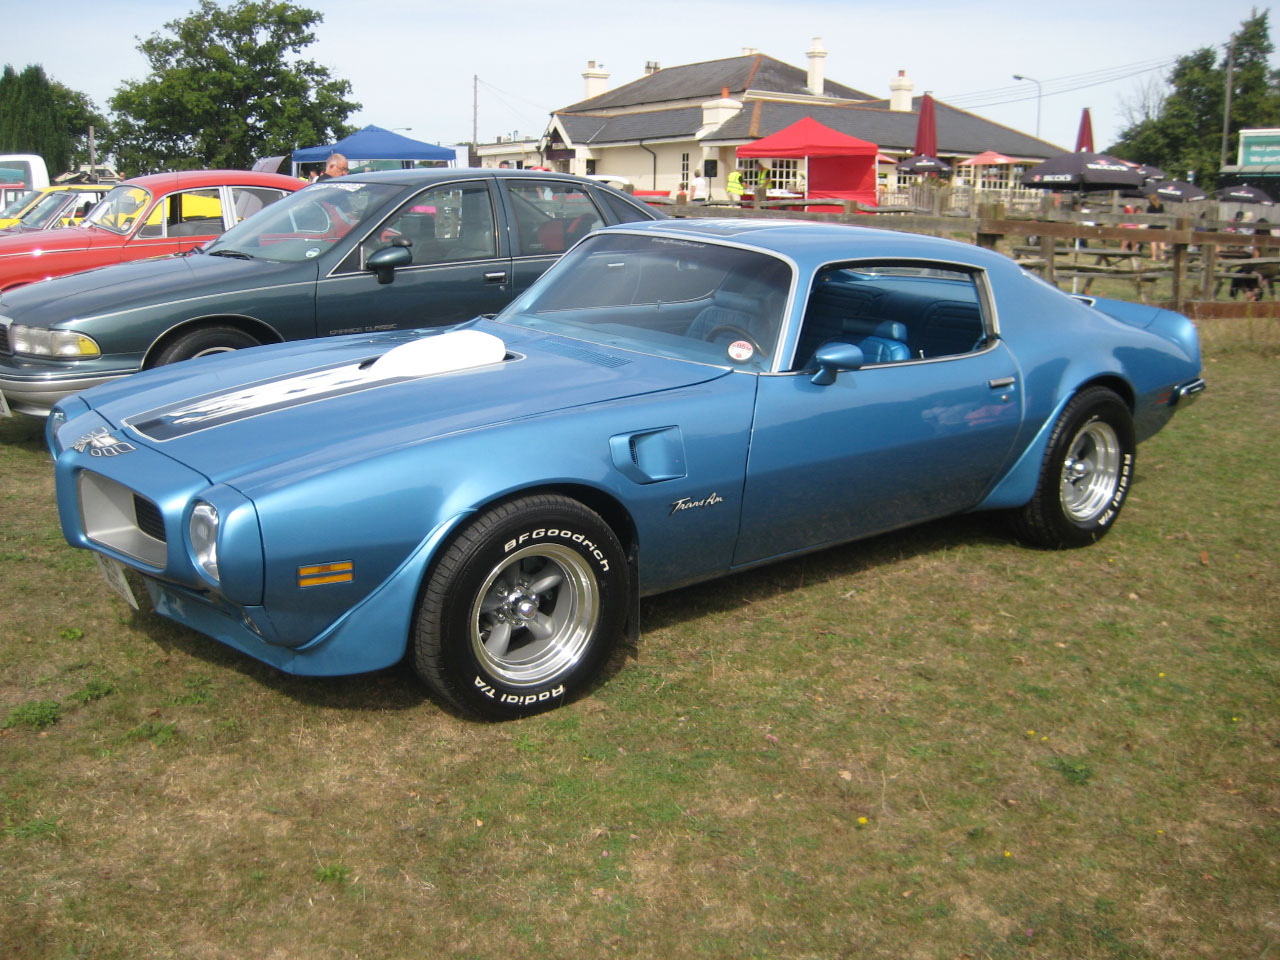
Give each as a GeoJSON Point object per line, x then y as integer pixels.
{"type": "Point", "coordinates": [237, 254]}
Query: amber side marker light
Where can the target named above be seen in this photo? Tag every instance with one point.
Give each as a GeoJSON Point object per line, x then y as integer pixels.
{"type": "Point", "coordinates": [319, 574]}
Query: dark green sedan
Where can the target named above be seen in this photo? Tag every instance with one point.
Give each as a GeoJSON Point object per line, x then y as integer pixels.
{"type": "Point", "coordinates": [370, 252]}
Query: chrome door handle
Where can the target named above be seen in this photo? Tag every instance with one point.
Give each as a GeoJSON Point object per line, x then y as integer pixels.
{"type": "Point", "coordinates": [999, 383]}
{"type": "Point", "coordinates": [498, 276]}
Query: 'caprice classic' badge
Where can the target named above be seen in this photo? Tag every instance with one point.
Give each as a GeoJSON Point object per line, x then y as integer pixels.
{"type": "Point", "coordinates": [100, 443]}
{"type": "Point", "coordinates": [684, 503]}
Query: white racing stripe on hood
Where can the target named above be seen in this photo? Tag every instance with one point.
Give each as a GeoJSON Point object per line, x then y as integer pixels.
{"type": "Point", "coordinates": [450, 352]}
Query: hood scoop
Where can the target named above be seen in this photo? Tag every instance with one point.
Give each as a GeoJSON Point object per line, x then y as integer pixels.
{"type": "Point", "coordinates": [444, 353]}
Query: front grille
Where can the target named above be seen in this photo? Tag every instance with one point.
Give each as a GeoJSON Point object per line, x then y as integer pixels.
{"type": "Point", "coordinates": [117, 517]}
{"type": "Point", "coordinates": [4, 339]}
{"type": "Point", "coordinates": [149, 519]}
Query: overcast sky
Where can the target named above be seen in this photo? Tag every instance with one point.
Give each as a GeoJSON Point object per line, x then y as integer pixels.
{"type": "Point", "coordinates": [411, 63]}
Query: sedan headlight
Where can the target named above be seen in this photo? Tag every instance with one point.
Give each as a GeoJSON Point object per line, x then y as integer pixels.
{"type": "Point", "coordinates": [44, 342]}
{"type": "Point", "coordinates": [203, 531]}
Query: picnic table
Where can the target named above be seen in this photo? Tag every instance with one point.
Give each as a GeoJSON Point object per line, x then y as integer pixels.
{"type": "Point", "coordinates": [1111, 257]}
{"type": "Point", "coordinates": [1249, 276]}
{"type": "Point", "coordinates": [1132, 271]}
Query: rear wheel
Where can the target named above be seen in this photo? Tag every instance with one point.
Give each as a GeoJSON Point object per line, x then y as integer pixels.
{"type": "Point", "coordinates": [203, 342]}
{"type": "Point", "coordinates": [1086, 473]}
{"type": "Point", "coordinates": [522, 608]}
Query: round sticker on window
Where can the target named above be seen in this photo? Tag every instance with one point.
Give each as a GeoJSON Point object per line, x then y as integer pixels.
{"type": "Point", "coordinates": [740, 350]}
{"type": "Point", "coordinates": [313, 252]}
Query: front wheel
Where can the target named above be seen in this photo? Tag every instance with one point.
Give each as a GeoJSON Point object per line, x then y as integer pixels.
{"type": "Point", "coordinates": [1086, 473]}
{"type": "Point", "coordinates": [204, 342]}
{"type": "Point", "coordinates": [522, 608]}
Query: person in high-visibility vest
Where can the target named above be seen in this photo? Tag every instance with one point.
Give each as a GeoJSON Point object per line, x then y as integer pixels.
{"type": "Point", "coordinates": [734, 186]}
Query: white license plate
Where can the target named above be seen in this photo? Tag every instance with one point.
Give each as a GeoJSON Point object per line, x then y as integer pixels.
{"type": "Point", "coordinates": [113, 572]}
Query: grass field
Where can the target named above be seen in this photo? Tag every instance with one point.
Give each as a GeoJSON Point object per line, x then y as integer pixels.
{"type": "Point", "coordinates": [935, 744]}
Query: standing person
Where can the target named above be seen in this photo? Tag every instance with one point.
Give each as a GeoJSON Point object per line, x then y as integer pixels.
{"type": "Point", "coordinates": [733, 187]}
{"type": "Point", "coordinates": [763, 183]}
{"type": "Point", "coordinates": [698, 190]}
{"type": "Point", "coordinates": [335, 166]}
{"type": "Point", "coordinates": [1155, 205]}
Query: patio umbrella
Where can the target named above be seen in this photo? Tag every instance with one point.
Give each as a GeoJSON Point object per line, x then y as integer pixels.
{"type": "Point", "coordinates": [987, 158]}
{"type": "Point", "coordinates": [923, 165]}
{"type": "Point", "coordinates": [1084, 138]}
{"type": "Point", "coordinates": [925, 160]}
{"type": "Point", "coordinates": [1178, 190]}
{"type": "Point", "coordinates": [1151, 173]}
{"type": "Point", "coordinates": [926, 129]}
{"type": "Point", "coordinates": [1243, 194]}
{"type": "Point", "coordinates": [1082, 171]}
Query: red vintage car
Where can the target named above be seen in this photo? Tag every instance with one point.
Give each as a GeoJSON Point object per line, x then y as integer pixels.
{"type": "Point", "coordinates": [151, 216]}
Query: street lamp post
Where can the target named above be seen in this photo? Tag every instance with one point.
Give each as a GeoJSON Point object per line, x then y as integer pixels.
{"type": "Point", "coordinates": [1039, 97]}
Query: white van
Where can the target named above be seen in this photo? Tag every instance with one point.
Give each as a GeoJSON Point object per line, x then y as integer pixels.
{"type": "Point", "coordinates": [20, 173]}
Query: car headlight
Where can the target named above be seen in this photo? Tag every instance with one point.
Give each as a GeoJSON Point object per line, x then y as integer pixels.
{"type": "Point", "coordinates": [44, 342]}
{"type": "Point", "coordinates": [203, 531]}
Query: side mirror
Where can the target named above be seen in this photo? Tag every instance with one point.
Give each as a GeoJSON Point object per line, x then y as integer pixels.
{"type": "Point", "coordinates": [835, 357]}
{"type": "Point", "coordinates": [384, 262]}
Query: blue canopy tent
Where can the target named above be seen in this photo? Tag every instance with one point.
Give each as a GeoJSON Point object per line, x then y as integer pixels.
{"type": "Point", "coordinates": [375, 143]}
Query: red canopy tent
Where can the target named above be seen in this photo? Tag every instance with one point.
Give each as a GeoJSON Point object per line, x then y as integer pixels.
{"type": "Point", "coordinates": [839, 166]}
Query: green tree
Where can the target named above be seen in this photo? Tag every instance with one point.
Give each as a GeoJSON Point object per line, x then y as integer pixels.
{"type": "Point", "coordinates": [228, 85]}
{"type": "Point", "coordinates": [42, 116]}
{"type": "Point", "coordinates": [1182, 132]}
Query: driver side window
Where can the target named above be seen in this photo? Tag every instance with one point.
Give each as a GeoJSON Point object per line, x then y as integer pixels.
{"type": "Point", "coordinates": [895, 311]}
{"type": "Point", "coordinates": [444, 224]}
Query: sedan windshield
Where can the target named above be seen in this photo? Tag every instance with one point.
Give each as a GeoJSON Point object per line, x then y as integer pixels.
{"type": "Point", "coordinates": [120, 209]}
{"type": "Point", "coordinates": [46, 211]}
{"type": "Point", "coordinates": [684, 299]}
{"type": "Point", "coordinates": [19, 203]}
{"type": "Point", "coordinates": [307, 223]}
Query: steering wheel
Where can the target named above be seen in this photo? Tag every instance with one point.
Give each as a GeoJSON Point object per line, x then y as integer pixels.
{"type": "Point", "coordinates": [736, 331]}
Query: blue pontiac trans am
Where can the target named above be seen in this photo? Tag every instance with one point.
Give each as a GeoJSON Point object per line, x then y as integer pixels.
{"type": "Point", "coordinates": [673, 401]}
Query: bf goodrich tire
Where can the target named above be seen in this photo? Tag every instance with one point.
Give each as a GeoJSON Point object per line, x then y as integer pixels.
{"type": "Point", "coordinates": [522, 608]}
{"type": "Point", "coordinates": [1086, 474]}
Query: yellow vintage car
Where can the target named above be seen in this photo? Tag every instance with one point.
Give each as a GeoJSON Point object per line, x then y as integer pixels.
{"type": "Point", "coordinates": [59, 206]}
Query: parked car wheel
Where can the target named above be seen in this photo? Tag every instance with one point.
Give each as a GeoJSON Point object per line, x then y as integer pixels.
{"type": "Point", "coordinates": [522, 608]}
{"type": "Point", "coordinates": [1086, 474]}
{"type": "Point", "coordinates": [203, 342]}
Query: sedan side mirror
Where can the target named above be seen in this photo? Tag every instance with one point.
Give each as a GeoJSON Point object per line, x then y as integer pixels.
{"type": "Point", "coordinates": [384, 262]}
{"type": "Point", "coordinates": [835, 357]}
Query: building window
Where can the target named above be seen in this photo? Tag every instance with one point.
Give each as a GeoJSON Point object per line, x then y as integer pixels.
{"type": "Point", "coordinates": [684, 168]}
{"type": "Point", "coordinates": [591, 168]}
{"type": "Point", "coordinates": [783, 174]}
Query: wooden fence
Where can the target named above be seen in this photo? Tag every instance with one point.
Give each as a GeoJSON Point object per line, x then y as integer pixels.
{"type": "Point", "coordinates": [1199, 251]}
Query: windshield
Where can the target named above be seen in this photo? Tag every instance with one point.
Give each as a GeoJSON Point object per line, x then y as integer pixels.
{"type": "Point", "coordinates": [20, 203]}
{"type": "Point", "coordinates": [307, 223]}
{"type": "Point", "coordinates": [120, 209]}
{"type": "Point", "coordinates": [46, 211]}
{"type": "Point", "coordinates": [684, 299]}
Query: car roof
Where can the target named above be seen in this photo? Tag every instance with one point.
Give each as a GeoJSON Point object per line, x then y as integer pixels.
{"type": "Point", "coordinates": [436, 174]}
{"type": "Point", "coordinates": [186, 179]}
{"type": "Point", "coordinates": [815, 240]}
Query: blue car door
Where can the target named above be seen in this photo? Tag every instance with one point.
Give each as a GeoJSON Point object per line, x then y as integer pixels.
{"type": "Point", "coordinates": [460, 267]}
{"type": "Point", "coordinates": [920, 431]}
